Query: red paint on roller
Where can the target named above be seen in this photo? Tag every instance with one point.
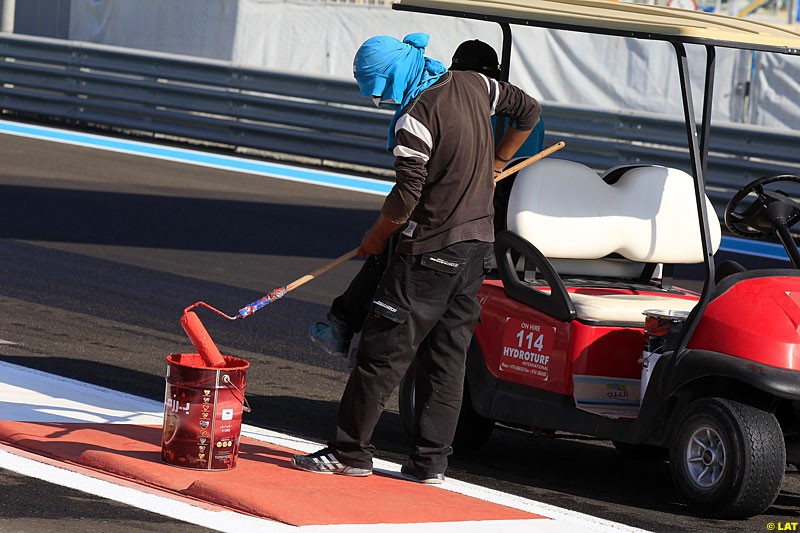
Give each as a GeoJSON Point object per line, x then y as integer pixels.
{"type": "Point", "coordinates": [202, 340]}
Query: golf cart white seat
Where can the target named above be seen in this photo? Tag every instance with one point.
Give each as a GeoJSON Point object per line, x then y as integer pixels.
{"type": "Point", "coordinates": [577, 220]}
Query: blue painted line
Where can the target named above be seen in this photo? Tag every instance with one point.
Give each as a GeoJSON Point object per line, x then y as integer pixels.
{"type": "Point", "coordinates": [286, 172]}
{"type": "Point", "coordinates": [194, 157]}
{"type": "Point", "coordinates": [767, 250]}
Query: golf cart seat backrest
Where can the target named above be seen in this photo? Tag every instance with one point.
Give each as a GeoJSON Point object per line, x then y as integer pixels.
{"type": "Point", "coordinates": [577, 220]}
{"type": "Point", "coordinates": [567, 222]}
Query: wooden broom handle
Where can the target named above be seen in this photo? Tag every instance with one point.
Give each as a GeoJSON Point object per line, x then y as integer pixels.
{"type": "Point", "coordinates": [311, 275]}
{"type": "Point", "coordinates": [531, 160]}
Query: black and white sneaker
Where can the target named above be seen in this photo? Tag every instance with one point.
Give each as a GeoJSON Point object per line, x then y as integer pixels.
{"type": "Point", "coordinates": [411, 472]}
{"type": "Point", "coordinates": [324, 462]}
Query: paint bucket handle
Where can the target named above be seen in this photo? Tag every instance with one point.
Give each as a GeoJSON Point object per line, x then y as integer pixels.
{"type": "Point", "coordinates": [226, 379]}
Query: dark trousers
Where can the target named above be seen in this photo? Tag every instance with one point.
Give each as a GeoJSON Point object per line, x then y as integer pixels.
{"type": "Point", "coordinates": [426, 306]}
{"type": "Point", "coordinates": [351, 307]}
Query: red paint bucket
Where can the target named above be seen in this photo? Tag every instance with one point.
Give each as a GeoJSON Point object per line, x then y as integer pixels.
{"type": "Point", "coordinates": [661, 328]}
{"type": "Point", "coordinates": [203, 412]}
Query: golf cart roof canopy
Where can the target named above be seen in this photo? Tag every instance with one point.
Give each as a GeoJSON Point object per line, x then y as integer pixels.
{"type": "Point", "coordinates": [639, 21]}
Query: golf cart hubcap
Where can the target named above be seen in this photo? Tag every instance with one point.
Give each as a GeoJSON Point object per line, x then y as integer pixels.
{"type": "Point", "coordinates": [705, 457]}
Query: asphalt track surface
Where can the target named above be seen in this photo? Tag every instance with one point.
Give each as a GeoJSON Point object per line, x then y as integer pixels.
{"type": "Point", "coordinates": [100, 252]}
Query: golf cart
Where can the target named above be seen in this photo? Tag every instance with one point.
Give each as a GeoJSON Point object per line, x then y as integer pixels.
{"type": "Point", "coordinates": [581, 328]}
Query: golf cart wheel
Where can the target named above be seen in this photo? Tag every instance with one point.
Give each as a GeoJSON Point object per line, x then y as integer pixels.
{"type": "Point", "coordinates": [728, 459]}
{"type": "Point", "coordinates": [472, 430]}
{"type": "Point", "coordinates": [643, 452]}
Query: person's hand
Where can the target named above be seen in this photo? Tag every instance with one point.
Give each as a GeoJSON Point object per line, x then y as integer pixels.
{"type": "Point", "coordinates": [371, 244]}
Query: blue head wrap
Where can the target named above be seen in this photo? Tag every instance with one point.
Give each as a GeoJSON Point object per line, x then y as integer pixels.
{"type": "Point", "coordinates": [395, 71]}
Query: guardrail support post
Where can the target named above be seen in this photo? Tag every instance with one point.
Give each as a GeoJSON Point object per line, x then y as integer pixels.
{"type": "Point", "coordinates": [7, 16]}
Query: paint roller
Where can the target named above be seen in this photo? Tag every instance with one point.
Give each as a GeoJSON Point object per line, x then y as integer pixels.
{"type": "Point", "coordinates": [202, 340]}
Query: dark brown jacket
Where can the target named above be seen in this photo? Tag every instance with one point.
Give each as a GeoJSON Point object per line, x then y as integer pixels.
{"type": "Point", "coordinates": [444, 156]}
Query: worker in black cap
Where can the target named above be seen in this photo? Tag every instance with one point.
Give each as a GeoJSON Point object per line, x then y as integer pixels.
{"type": "Point", "coordinates": [477, 56]}
{"type": "Point", "coordinates": [480, 57]}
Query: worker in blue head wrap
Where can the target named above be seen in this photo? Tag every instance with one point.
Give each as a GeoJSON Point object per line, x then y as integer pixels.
{"type": "Point", "coordinates": [393, 73]}
{"type": "Point", "coordinates": [439, 215]}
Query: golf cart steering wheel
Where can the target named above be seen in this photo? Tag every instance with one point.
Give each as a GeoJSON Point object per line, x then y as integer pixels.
{"type": "Point", "coordinates": [769, 211]}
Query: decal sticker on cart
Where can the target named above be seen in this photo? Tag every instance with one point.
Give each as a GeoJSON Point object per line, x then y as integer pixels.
{"type": "Point", "coordinates": [527, 349]}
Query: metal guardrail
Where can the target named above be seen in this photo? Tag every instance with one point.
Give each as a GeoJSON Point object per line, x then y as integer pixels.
{"type": "Point", "coordinates": [323, 118]}
{"type": "Point", "coordinates": [186, 97]}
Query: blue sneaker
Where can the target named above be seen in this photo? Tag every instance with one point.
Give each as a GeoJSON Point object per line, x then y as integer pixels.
{"type": "Point", "coordinates": [334, 338]}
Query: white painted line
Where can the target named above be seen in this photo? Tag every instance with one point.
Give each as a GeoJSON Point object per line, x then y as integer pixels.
{"type": "Point", "coordinates": [8, 343]}
{"type": "Point", "coordinates": [116, 407]}
{"type": "Point", "coordinates": [29, 395]}
{"type": "Point", "coordinates": [484, 526]}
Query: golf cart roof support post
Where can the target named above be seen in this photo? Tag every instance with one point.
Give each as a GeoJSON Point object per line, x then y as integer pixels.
{"type": "Point", "coordinates": [505, 53]}
{"type": "Point", "coordinates": [697, 161]}
{"type": "Point", "coordinates": [705, 131]}
{"type": "Point", "coordinates": [505, 70]}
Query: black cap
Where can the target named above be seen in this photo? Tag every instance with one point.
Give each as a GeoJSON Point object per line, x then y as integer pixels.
{"type": "Point", "coordinates": [478, 56]}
